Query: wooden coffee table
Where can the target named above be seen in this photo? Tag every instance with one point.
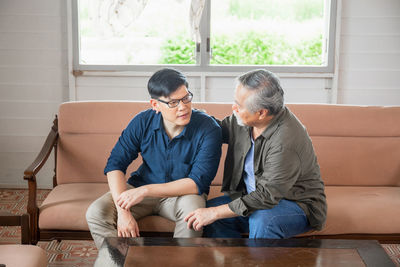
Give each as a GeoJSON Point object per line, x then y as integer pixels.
{"type": "Point", "coordinates": [163, 251]}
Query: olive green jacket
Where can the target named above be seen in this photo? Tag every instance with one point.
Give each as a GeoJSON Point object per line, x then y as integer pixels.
{"type": "Point", "coordinates": [285, 167]}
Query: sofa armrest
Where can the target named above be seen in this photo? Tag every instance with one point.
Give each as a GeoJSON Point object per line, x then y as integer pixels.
{"type": "Point", "coordinates": [37, 164]}
{"type": "Point", "coordinates": [30, 176]}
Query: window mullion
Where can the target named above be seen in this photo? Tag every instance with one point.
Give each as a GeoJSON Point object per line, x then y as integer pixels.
{"type": "Point", "coordinates": [204, 58]}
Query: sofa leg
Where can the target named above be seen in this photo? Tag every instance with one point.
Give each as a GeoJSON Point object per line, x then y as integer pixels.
{"type": "Point", "coordinates": [25, 231]}
{"type": "Point", "coordinates": [33, 229]}
{"type": "Point", "coordinates": [9, 219]}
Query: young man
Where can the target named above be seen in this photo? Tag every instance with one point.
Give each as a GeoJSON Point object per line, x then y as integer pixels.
{"type": "Point", "coordinates": [180, 148]}
{"type": "Point", "coordinates": [272, 179]}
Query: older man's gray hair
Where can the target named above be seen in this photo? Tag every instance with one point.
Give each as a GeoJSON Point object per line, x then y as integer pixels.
{"type": "Point", "coordinates": [268, 91]}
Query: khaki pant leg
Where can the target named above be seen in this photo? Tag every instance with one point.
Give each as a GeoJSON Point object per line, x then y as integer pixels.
{"type": "Point", "coordinates": [101, 216]}
{"type": "Point", "coordinates": [176, 209]}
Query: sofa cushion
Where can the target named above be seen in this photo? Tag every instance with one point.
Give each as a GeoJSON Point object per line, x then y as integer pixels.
{"type": "Point", "coordinates": [344, 120]}
{"type": "Point", "coordinates": [354, 144]}
{"type": "Point", "coordinates": [82, 157]}
{"type": "Point", "coordinates": [22, 256]}
{"type": "Point", "coordinates": [89, 130]}
{"type": "Point", "coordinates": [361, 210]}
{"type": "Point", "coordinates": [215, 191]}
{"type": "Point", "coordinates": [65, 207]}
{"type": "Point", "coordinates": [358, 161]}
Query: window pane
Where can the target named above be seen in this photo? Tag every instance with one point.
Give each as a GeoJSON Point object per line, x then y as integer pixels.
{"type": "Point", "coordinates": [267, 32]}
{"type": "Point", "coordinates": [135, 32]}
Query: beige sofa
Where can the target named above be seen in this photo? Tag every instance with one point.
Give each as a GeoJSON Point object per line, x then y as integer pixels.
{"type": "Point", "coordinates": [358, 150]}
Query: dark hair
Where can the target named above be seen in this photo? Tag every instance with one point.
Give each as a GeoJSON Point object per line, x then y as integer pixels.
{"type": "Point", "coordinates": [268, 93]}
{"type": "Point", "coordinates": [165, 81]}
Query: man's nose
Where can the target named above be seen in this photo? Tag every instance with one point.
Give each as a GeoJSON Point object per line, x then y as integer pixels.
{"type": "Point", "coordinates": [182, 105]}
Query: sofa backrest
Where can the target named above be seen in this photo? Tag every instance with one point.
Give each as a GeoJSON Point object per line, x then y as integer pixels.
{"type": "Point", "coordinates": [354, 145]}
{"type": "Point", "coordinates": [89, 130]}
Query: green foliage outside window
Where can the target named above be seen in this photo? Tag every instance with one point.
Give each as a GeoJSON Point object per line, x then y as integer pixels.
{"type": "Point", "coordinates": [234, 44]}
{"type": "Point", "coordinates": [178, 50]}
{"type": "Point", "coordinates": [247, 49]}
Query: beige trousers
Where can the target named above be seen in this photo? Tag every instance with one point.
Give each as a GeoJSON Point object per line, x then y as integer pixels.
{"type": "Point", "coordinates": [101, 215]}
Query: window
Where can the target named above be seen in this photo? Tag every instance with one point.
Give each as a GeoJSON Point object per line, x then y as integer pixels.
{"type": "Point", "coordinates": [204, 35]}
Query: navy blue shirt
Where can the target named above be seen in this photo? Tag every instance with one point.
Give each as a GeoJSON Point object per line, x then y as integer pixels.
{"type": "Point", "coordinates": [194, 153]}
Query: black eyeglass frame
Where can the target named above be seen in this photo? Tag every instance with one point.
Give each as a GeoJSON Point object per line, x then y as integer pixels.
{"type": "Point", "coordinates": [186, 99]}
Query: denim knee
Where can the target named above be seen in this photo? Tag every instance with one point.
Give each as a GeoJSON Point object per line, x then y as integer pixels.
{"type": "Point", "coordinates": [285, 221]}
{"type": "Point", "coordinates": [275, 227]}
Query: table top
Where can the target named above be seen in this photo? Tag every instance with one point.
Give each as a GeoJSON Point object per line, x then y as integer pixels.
{"type": "Point", "coordinates": [153, 251]}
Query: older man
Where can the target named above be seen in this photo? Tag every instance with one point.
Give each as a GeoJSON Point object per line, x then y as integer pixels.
{"type": "Point", "coordinates": [272, 182]}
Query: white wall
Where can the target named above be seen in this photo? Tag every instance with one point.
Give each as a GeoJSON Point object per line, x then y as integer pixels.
{"type": "Point", "coordinates": [34, 74]}
{"type": "Point", "coordinates": [370, 52]}
{"type": "Point", "coordinates": [33, 82]}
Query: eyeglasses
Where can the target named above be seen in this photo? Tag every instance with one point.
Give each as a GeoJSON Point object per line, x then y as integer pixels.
{"type": "Point", "coordinates": [175, 102]}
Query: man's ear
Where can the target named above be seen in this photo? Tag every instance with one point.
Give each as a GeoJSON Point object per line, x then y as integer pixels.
{"type": "Point", "coordinates": [154, 105]}
{"type": "Point", "coordinates": [263, 113]}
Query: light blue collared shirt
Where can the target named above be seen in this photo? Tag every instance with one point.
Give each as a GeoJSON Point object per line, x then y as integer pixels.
{"type": "Point", "coordinates": [248, 174]}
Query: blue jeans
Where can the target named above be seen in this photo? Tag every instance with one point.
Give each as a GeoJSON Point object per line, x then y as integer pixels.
{"type": "Point", "coordinates": [285, 220]}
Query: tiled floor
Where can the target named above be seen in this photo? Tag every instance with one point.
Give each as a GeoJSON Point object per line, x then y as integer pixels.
{"type": "Point", "coordinates": [78, 253]}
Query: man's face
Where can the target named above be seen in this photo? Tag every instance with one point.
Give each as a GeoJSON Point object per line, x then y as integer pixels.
{"type": "Point", "coordinates": [179, 115]}
{"type": "Point", "coordinates": [244, 116]}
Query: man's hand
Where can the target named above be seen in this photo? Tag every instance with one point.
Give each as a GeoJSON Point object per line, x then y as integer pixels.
{"type": "Point", "coordinates": [127, 225]}
{"type": "Point", "coordinates": [201, 217]}
{"type": "Point", "coordinates": [131, 197]}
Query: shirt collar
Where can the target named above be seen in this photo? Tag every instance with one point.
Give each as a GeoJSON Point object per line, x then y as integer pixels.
{"type": "Point", "coordinates": [274, 123]}
{"type": "Point", "coordinates": [157, 124]}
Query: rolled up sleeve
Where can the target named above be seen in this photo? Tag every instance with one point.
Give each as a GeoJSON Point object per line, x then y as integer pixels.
{"type": "Point", "coordinates": [207, 160]}
{"type": "Point", "coordinates": [125, 150]}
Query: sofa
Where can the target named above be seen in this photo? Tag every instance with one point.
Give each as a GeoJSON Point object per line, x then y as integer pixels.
{"type": "Point", "coordinates": [358, 149]}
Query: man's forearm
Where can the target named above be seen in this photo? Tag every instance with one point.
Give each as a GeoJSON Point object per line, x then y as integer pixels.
{"type": "Point", "coordinates": [223, 212]}
{"type": "Point", "coordinates": [131, 197]}
{"type": "Point", "coordinates": [204, 216]}
{"type": "Point", "coordinates": [117, 184]}
{"type": "Point", "coordinates": [185, 186]}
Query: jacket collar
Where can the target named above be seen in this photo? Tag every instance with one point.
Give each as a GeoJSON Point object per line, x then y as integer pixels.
{"type": "Point", "coordinates": [274, 123]}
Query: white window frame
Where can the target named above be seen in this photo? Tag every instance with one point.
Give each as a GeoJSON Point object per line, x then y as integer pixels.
{"type": "Point", "coordinates": [203, 54]}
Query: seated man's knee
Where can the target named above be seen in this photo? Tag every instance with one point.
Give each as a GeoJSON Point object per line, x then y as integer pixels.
{"type": "Point", "coordinates": [265, 225]}
{"type": "Point", "coordinates": [89, 213]}
{"type": "Point", "coordinates": [188, 203]}
{"type": "Point", "coordinates": [99, 210]}
{"type": "Point", "coordinates": [92, 213]}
